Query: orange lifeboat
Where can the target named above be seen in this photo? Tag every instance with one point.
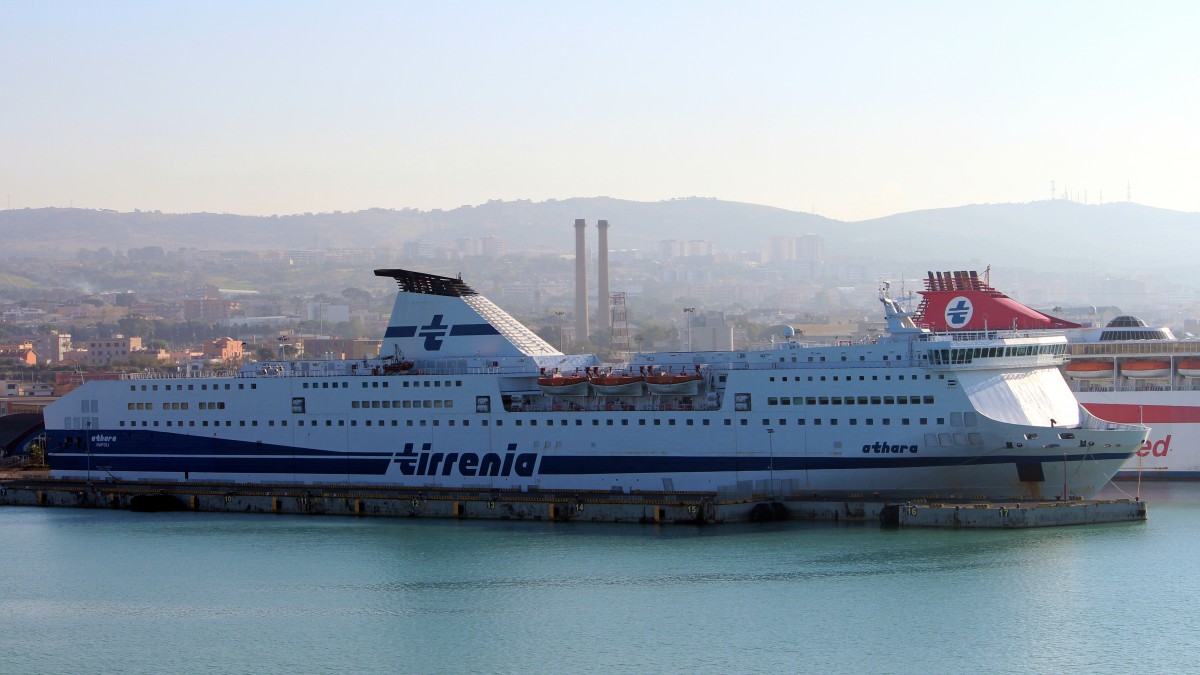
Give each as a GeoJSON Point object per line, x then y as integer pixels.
{"type": "Point", "coordinates": [1146, 369]}
{"type": "Point", "coordinates": [557, 384]}
{"type": "Point", "coordinates": [1089, 370]}
{"type": "Point", "coordinates": [1189, 368]}
{"type": "Point", "coordinates": [617, 385]}
{"type": "Point", "coordinates": [680, 384]}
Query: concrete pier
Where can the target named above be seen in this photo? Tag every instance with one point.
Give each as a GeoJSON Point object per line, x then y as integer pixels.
{"type": "Point", "coordinates": [552, 505]}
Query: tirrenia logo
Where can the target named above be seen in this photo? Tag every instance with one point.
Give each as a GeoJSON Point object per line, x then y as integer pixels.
{"type": "Point", "coordinates": [433, 333]}
{"type": "Point", "coordinates": [958, 312]}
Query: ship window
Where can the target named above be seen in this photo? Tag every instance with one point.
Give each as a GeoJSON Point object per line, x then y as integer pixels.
{"type": "Point", "coordinates": [131, 406]}
{"type": "Point", "coordinates": [945, 439]}
{"type": "Point", "coordinates": [928, 400]}
{"type": "Point", "coordinates": [744, 422]}
{"type": "Point", "coordinates": [824, 400]}
{"type": "Point", "coordinates": [519, 422]}
{"type": "Point", "coordinates": [849, 400]}
{"type": "Point", "coordinates": [728, 422]}
{"type": "Point", "coordinates": [862, 400]}
{"type": "Point", "coordinates": [270, 423]}
{"type": "Point", "coordinates": [122, 423]}
{"type": "Point", "coordinates": [608, 422]}
{"type": "Point", "coordinates": [625, 422]}
{"type": "Point", "coordinates": [578, 423]}
{"type": "Point", "coordinates": [817, 421]}
{"type": "Point", "coordinates": [641, 422]}
{"type": "Point", "coordinates": [902, 400]}
{"type": "Point", "coordinates": [853, 421]}
{"type": "Point", "coordinates": [771, 400]}
{"type": "Point", "coordinates": [426, 403]}
{"type": "Point", "coordinates": [658, 423]}
{"type": "Point", "coordinates": [941, 420]}
{"type": "Point", "coordinates": [785, 401]}
{"type": "Point", "coordinates": [887, 421]}
{"type": "Point", "coordinates": [595, 423]}
{"type": "Point", "coordinates": [811, 400]}
{"type": "Point", "coordinates": [889, 400]}
{"type": "Point", "coordinates": [355, 404]}
{"type": "Point", "coordinates": [904, 421]}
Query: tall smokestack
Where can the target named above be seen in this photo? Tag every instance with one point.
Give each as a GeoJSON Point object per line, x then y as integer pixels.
{"type": "Point", "coordinates": [581, 306]}
{"type": "Point", "coordinates": [605, 314]}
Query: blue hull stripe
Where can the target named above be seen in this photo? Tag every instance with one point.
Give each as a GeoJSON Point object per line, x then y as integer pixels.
{"type": "Point", "coordinates": [607, 464]}
{"type": "Point", "coordinates": [239, 465]}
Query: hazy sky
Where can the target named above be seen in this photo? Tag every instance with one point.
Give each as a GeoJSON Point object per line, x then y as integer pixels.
{"type": "Point", "coordinates": [854, 109]}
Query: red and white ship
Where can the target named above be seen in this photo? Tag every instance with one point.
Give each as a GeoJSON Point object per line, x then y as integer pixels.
{"type": "Point", "coordinates": [1124, 371]}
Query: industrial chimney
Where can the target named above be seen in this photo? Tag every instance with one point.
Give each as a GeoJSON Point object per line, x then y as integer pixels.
{"type": "Point", "coordinates": [581, 306]}
{"type": "Point", "coordinates": [605, 313]}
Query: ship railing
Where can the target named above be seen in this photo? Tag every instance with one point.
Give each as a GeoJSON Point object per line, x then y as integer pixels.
{"type": "Point", "coordinates": [986, 335]}
{"type": "Point", "coordinates": [13, 461]}
{"type": "Point", "coordinates": [594, 406]}
{"type": "Point", "coordinates": [178, 376]}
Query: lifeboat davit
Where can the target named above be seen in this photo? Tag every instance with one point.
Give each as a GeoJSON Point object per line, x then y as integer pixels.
{"type": "Point", "coordinates": [1146, 369]}
{"type": "Point", "coordinates": [557, 384]}
{"type": "Point", "coordinates": [680, 384]}
{"type": "Point", "coordinates": [1189, 368]}
{"type": "Point", "coordinates": [1089, 370]}
{"type": "Point", "coordinates": [617, 385]}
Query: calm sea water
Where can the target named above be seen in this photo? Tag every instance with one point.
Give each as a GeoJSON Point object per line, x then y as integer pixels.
{"type": "Point", "coordinates": [113, 591]}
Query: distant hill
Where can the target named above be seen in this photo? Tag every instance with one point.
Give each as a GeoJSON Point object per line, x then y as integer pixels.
{"type": "Point", "coordinates": [1122, 237]}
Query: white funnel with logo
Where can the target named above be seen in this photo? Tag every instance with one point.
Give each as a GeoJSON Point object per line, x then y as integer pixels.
{"type": "Point", "coordinates": [443, 317]}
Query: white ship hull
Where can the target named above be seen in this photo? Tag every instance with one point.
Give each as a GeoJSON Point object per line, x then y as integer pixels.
{"type": "Point", "coordinates": [905, 418]}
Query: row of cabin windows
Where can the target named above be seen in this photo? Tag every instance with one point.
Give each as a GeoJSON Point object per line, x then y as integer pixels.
{"type": "Point", "coordinates": [849, 400]}
{"type": "Point", "coordinates": [178, 405]}
{"type": "Point", "coordinates": [941, 357]}
{"type": "Point", "coordinates": [407, 403]}
{"type": "Point", "coordinates": [850, 378]}
{"type": "Point", "coordinates": [376, 384]}
{"type": "Point", "coordinates": [190, 387]}
{"type": "Point", "coordinates": [821, 359]}
{"type": "Point", "coordinates": [331, 384]}
{"type": "Point", "coordinates": [818, 421]}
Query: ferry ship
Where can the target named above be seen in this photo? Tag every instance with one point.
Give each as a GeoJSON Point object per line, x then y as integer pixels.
{"type": "Point", "coordinates": [465, 396]}
{"type": "Point", "coordinates": [1124, 371]}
